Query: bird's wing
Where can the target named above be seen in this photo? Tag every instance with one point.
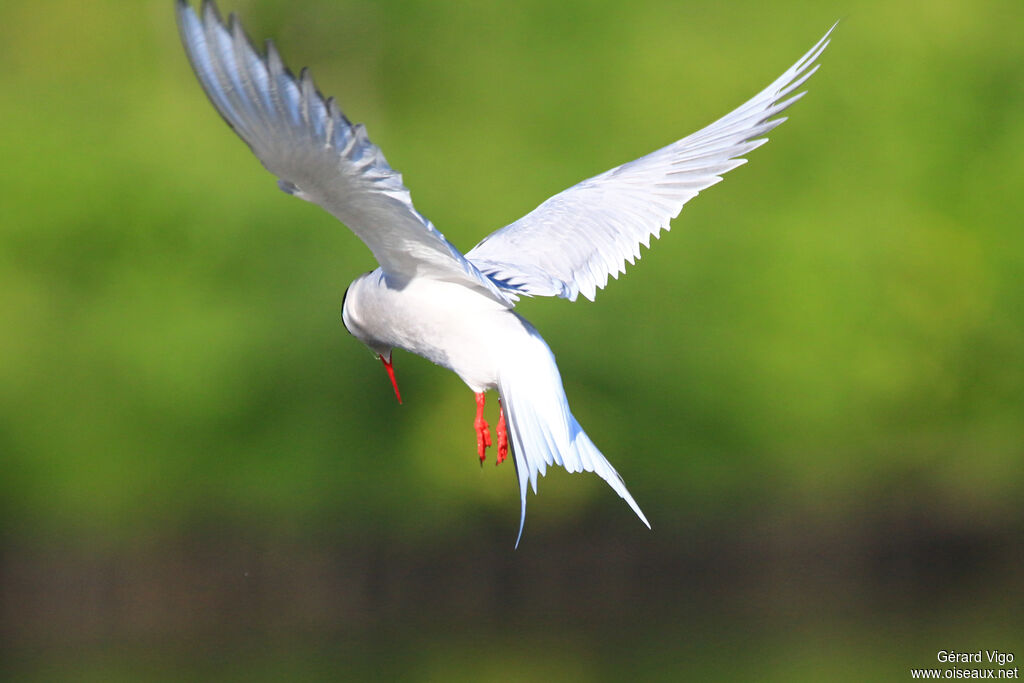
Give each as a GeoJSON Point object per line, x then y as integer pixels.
{"type": "Point", "coordinates": [316, 153]}
{"type": "Point", "coordinates": [572, 242]}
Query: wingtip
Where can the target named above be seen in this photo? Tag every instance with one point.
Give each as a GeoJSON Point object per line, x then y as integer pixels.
{"type": "Point", "coordinates": [210, 5]}
{"type": "Point", "coordinates": [184, 12]}
{"type": "Point", "coordinates": [824, 40]}
{"type": "Point", "coordinates": [827, 38]}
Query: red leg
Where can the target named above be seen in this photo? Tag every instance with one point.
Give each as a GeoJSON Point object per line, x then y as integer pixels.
{"type": "Point", "coordinates": [502, 435]}
{"type": "Point", "coordinates": [391, 374]}
{"type": "Point", "coordinates": [483, 431]}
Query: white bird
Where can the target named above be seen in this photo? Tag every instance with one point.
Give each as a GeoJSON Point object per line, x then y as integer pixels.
{"type": "Point", "coordinates": [454, 309]}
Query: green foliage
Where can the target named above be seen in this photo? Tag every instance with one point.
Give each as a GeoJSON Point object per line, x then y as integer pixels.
{"type": "Point", "coordinates": [845, 311]}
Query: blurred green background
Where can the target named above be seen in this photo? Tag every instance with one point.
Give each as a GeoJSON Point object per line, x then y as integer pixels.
{"type": "Point", "coordinates": [814, 385]}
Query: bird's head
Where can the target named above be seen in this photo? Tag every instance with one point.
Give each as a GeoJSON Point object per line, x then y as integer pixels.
{"type": "Point", "coordinates": [351, 320]}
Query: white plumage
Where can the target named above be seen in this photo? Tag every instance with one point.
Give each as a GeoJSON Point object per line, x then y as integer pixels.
{"type": "Point", "coordinates": [427, 297]}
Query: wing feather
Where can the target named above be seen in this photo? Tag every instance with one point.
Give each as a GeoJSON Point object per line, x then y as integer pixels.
{"type": "Point", "coordinates": [316, 152]}
{"type": "Point", "coordinates": [575, 240]}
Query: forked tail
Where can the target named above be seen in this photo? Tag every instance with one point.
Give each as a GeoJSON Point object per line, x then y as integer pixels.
{"type": "Point", "coordinates": [543, 430]}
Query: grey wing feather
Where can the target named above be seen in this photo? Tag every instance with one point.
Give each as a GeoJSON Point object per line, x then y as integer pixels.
{"type": "Point", "coordinates": [316, 152]}
{"type": "Point", "coordinates": [572, 242]}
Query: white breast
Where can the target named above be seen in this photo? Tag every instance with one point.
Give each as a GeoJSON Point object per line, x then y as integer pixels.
{"type": "Point", "coordinates": [449, 324]}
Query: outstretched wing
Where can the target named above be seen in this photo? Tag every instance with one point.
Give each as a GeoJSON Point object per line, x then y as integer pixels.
{"type": "Point", "coordinates": [317, 154]}
{"type": "Point", "coordinates": [572, 242]}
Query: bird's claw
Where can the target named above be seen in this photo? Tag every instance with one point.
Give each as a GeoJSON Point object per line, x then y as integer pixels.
{"type": "Point", "coordinates": [483, 430]}
{"type": "Point", "coordinates": [483, 438]}
{"type": "Point", "coordinates": [502, 432]}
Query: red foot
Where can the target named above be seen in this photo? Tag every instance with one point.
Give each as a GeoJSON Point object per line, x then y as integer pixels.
{"type": "Point", "coordinates": [483, 431]}
{"type": "Point", "coordinates": [502, 435]}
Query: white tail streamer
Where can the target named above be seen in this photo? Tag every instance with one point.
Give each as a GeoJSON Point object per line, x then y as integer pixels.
{"type": "Point", "coordinates": [542, 428]}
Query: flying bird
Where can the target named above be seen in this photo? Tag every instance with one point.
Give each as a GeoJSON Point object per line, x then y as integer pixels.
{"type": "Point", "coordinates": [458, 310]}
